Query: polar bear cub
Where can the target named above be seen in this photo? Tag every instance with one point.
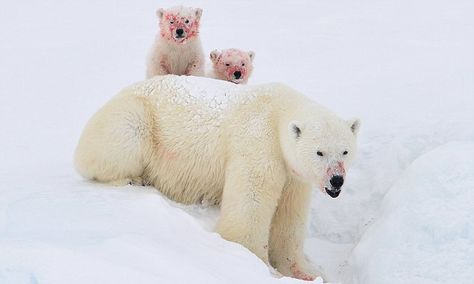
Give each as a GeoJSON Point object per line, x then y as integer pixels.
{"type": "Point", "coordinates": [177, 48]}
{"type": "Point", "coordinates": [232, 65]}
{"type": "Point", "coordinates": [255, 150]}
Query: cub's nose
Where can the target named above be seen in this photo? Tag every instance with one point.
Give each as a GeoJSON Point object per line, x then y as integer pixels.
{"type": "Point", "coordinates": [337, 181]}
{"type": "Point", "coordinates": [237, 74]}
{"type": "Point", "coordinates": [179, 31]}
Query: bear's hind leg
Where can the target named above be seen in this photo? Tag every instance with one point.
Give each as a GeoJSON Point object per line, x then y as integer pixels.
{"type": "Point", "coordinates": [114, 145]}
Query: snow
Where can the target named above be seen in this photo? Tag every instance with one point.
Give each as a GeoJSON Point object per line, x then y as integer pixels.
{"type": "Point", "coordinates": [217, 95]}
{"type": "Point", "coordinates": [425, 226]}
{"type": "Point", "coordinates": [405, 68]}
{"type": "Point", "coordinates": [97, 234]}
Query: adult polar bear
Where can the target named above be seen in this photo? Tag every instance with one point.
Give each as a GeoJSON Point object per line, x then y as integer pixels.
{"type": "Point", "coordinates": [256, 150]}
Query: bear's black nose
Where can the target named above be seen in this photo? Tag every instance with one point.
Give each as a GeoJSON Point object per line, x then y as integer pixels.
{"type": "Point", "coordinates": [237, 74]}
{"type": "Point", "coordinates": [179, 31]}
{"type": "Point", "coordinates": [337, 181]}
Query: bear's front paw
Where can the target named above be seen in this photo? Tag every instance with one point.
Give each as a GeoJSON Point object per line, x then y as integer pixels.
{"type": "Point", "coordinates": [274, 272]}
{"type": "Point", "coordinates": [303, 274]}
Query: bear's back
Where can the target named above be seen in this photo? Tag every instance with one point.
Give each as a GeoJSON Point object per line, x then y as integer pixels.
{"type": "Point", "coordinates": [197, 99]}
{"type": "Point", "coordinates": [189, 114]}
{"type": "Point", "coordinates": [190, 91]}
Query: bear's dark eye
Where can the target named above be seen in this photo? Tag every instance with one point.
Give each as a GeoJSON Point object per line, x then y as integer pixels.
{"type": "Point", "coordinates": [345, 153]}
{"type": "Point", "coordinates": [171, 22]}
{"type": "Point", "coordinates": [227, 64]}
{"type": "Point", "coordinates": [320, 153]}
{"type": "Point", "coordinates": [243, 64]}
{"type": "Point", "coordinates": [186, 22]}
{"type": "Point", "coordinates": [297, 131]}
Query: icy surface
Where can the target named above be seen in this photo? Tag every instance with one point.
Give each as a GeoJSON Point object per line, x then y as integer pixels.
{"type": "Point", "coordinates": [405, 68]}
{"type": "Point", "coordinates": [215, 94]}
{"type": "Point", "coordinates": [425, 228]}
{"type": "Point", "coordinates": [84, 233]}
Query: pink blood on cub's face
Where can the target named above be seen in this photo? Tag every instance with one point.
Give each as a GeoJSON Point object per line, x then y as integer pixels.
{"type": "Point", "coordinates": [179, 24]}
{"type": "Point", "coordinates": [233, 65]}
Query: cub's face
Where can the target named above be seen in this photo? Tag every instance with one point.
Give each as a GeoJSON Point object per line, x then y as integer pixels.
{"type": "Point", "coordinates": [233, 65]}
{"type": "Point", "coordinates": [322, 152]}
{"type": "Point", "coordinates": [179, 24]}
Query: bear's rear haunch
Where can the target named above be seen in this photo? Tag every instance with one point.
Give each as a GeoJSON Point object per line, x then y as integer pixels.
{"type": "Point", "coordinates": [256, 150]}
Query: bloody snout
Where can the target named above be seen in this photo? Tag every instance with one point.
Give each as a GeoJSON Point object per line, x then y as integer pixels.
{"type": "Point", "coordinates": [337, 182]}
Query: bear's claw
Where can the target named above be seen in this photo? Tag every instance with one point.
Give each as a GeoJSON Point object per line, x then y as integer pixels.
{"type": "Point", "coordinates": [297, 273]}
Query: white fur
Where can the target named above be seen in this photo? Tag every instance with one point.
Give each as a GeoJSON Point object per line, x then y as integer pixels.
{"type": "Point", "coordinates": [169, 57]}
{"type": "Point", "coordinates": [204, 140]}
{"type": "Point", "coordinates": [227, 61]}
{"type": "Point", "coordinates": [178, 57]}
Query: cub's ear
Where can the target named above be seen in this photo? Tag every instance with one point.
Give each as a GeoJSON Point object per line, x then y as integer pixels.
{"type": "Point", "coordinates": [251, 55]}
{"type": "Point", "coordinates": [198, 13]}
{"type": "Point", "coordinates": [215, 54]}
{"type": "Point", "coordinates": [160, 12]}
{"type": "Point", "coordinates": [296, 128]}
{"type": "Point", "coordinates": [354, 124]}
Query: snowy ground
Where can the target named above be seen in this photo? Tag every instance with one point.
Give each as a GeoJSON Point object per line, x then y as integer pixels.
{"type": "Point", "coordinates": [425, 224]}
{"type": "Point", "coordinates": [406, 68]}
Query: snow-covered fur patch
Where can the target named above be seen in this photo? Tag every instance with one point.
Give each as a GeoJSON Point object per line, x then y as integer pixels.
{"type": "Point", "coordinates": [232, 65]}
{"type": "Point", "coordinates": [177, 48]}
{"type": "Point", "coordinates": [256, 150]}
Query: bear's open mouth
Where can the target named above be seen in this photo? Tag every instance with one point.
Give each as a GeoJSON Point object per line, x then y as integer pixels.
{"type": "Point", "coordinates": [180, 39]}
{"type": "Point", "coordinates": [237, 81]}
{"type": "Point", "coordinates": [332, 193]}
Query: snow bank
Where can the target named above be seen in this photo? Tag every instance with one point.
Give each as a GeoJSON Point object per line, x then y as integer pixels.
{"type": "Point", "coordinates": [64, 230]}
{"type": "Point", "coordinates": [425, 233]}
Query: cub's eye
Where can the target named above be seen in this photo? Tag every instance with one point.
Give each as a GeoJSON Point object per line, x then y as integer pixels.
{"type": "Point", "coordinates": [320, 153]}
{"type": "Point", "coordinates": [171, 22]}
{"type": "Point", "coordinates": [345, 153]}
{"type": "Point", "coordinates": [186, 22]}
{"type": "Point", "coordinates": [243, 64]}
{"type": "Point", "coordinates": [227, 64]}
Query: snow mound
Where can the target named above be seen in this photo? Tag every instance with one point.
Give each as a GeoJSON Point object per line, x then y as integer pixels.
{"type": "Point", "coordinates": [425, 228]}
{"type": "Point", "coordinates": [64, 230]}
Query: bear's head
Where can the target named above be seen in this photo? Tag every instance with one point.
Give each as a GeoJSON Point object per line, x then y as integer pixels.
{"type": "Point", "coordinates": [319, 147]}
{"type": "Point", "coordinates": [179, 24]}
{"type": "Point", "coordinates": [232, 64]}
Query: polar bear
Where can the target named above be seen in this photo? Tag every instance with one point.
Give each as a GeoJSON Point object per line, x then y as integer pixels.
{"type": "Point", "coordinates": [255, 150]}
{"type": "Point", "coordinates": [177, 48]}
{"type": "Point", "coordinates": [233, 65]}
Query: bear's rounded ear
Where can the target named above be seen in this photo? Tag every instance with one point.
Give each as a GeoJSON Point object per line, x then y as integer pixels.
{"type": "Point", "coordinates": [198, 13]}
{"type": "Point", "coordinates": [354, 124]}
{"type": "Point", "coordinates": [214, 55]}
{"type": "Point", "coordinates": [160, 12]}
{"type": "Point", "coordinates": [251, 55]}
{"type": "Point", "coordinates": [296, 128]}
